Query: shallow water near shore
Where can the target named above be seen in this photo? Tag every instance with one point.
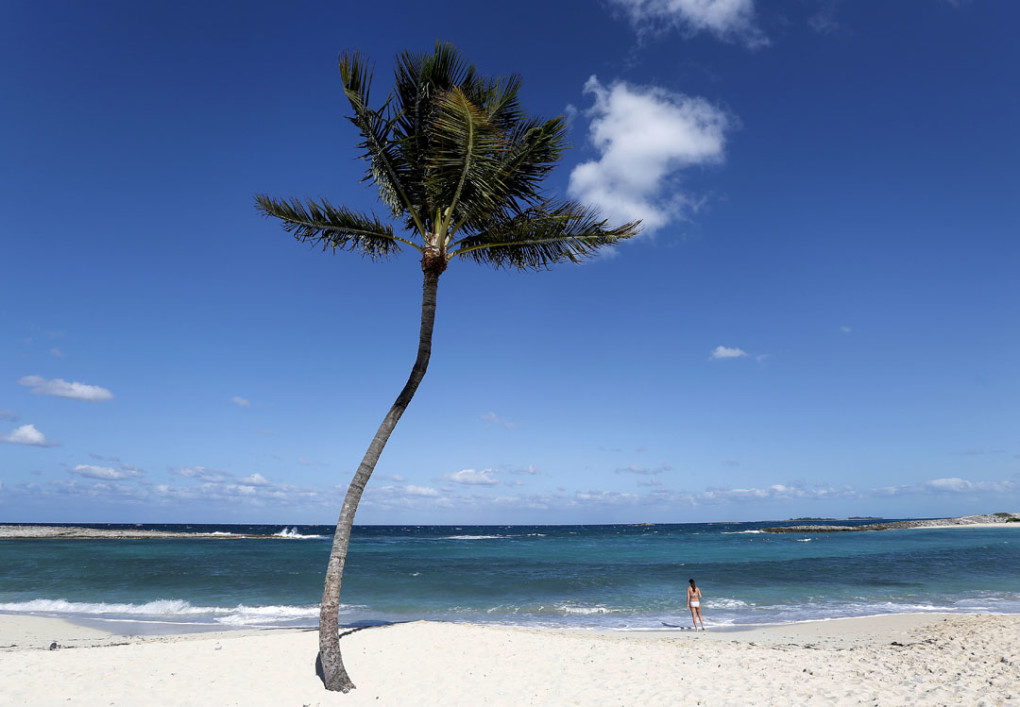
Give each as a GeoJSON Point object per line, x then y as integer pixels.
{"type": "Point", "coordinates": [611, 577]}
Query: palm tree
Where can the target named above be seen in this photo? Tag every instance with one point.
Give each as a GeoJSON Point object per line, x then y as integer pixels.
{"type": "Point", "coordinates": [459, 165]}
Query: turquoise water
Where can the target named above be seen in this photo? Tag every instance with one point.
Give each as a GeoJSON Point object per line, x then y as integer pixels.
{"type": "Point", "coordinates": [609, 577]}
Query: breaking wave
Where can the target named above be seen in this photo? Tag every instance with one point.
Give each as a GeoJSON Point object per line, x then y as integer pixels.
{"type": "Point", "coordinates": [173, 611]}
{"type": "Point", "coordinates": [293, 534]}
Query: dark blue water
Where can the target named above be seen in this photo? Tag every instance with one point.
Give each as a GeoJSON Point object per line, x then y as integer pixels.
{"type": "Point", "coordinates": [626, 577]}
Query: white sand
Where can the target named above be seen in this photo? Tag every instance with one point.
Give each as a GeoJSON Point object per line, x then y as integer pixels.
{"type": "Point", "coordinates": [965, 525]}
{"type": "Point", "coordinates": [943, 660]}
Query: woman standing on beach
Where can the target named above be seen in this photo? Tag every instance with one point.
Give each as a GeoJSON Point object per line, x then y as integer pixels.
{"type": "Point", "coordinates": [694, 604]}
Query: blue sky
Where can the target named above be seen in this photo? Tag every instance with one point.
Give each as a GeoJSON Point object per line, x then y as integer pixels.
{"type": "Point", "coordinates": [820, 319]}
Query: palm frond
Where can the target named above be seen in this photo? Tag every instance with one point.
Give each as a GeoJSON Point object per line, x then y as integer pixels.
{"type": "Point", "coordinates": [464, 158]}
{"type": "Point", "coordinates": [500, 99]}
{"type": "Point", "coordinates": [419, 80]}
{"type": "Point", "coordinates": [387, 169]}
{"type": "Point", "coordinates": [333, 227]}
{"type": "Point", "coordinates": [531, 150]}
{"type": "Point", "coordinates": [541, 236]}
{"type": "Point", "coordinates": [534, 148]}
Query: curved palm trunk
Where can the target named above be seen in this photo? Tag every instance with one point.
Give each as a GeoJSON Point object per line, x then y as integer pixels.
{"type": "Point", "coordinates": [333, 673]}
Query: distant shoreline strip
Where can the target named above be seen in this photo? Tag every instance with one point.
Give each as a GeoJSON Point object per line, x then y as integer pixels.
{"type": "Point", "coordinates": [976, 521]}
{"type": "Point", "coordinates": [60, 532]}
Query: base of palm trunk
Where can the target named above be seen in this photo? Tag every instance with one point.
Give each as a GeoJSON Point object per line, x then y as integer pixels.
{"type": "Point", "coordinates": [335, 678]}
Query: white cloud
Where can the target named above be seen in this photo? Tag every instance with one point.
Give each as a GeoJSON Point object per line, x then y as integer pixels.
{"type": "Point", "coordinates": [722, 352]}
{"type": "Point", "coordinates": [950, 485]}
{"type": "Point", "coordinates": [201, 473]}
{"type": "Point", "coordinates": [27, 434]}
{"type": "Point", "coordinates": [425, 491]}
{"type": "Point", "coordinates": [472, 477]}
{"type": "Point", "coordinates": [530, 469]}
{"type": "Point", "coordinates": [99, 484]}
{"type": "Point", "coordinates": [254, 490]}
{"type": "Point", "coordinates": [240, 402]}
{"type": "Point", "coordinates": [598, 497]}
{"type": "Point", "coordinates": [643, 471]}
{"type": "Point", "coordinates": [496, 420]}
{"type": "Point", "coordinates": [726, 19]}
{"type": "Point", "coordinates": [104, 472]}
{"type": "Point", "coordinates": [954, 484]}
{"type": "Point", "coordinates": [846, 329]}
{"type": "Point", "coordinates": [56, 352]}
{"type": "Point", "coordinates": [645, 136]}
{"type": "Point", "coordinates": [255, 480]}
{"type": "Point", "coordinates": [403, 496]}
{"type": "Point", "coordinates": [773, 492]}
{"type": "Point", "coordinates": [62, 389]}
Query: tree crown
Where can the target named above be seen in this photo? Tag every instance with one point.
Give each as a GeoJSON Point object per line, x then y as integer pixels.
{"type": "Point", "coordinates": [460, 166]}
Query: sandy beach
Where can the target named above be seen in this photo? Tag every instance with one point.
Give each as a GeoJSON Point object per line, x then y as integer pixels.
{"type": "Point", "coordinates": [929, 659]}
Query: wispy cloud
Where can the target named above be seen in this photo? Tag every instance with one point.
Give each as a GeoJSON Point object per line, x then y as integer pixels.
{"type": "Point", "coordinates": [255, 480]}
{"type": "Point", "coordinates": [729, 20]}
{"type": "Point", "coordinates": [772, 492]}
{"type": "Point", "coordinates": [950, 485]}
{"type": "Point", "coordinates": [472, 477]}
{"type": "Point", "coordinates": [824, 20]}
{"type": "Point", "coordinates": [8, 415]}
{"type": "Point", "coordinates": [496, 420]}
{"type": "Point", "coordinates": [403, 496]}
{"type": "Point", "coordinates": [530, 469]}
{"type": "Point", "coordinates": [63, 389]}
{"type": "Point", "coordinates": [105, 472]}
{"type": "Point", "coordinates": [724, 352]}
{"type": "Point", "coordinates": [27, 434]}
{"type": "Point", "coordinates": [644, 471]}
{"type": "Point", "coordinates": [217, 487]}
{"type": "Point", "coordinates": [645, 137]}
{"type": "Point", "coordinates": [210, 490]}
{"type": "Point", "coordinates": [202, 473]}
{"type": "Point", "coordinates": [240, 402]}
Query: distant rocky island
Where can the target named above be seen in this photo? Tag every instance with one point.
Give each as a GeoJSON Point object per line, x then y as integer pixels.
{"type": "Point", "coordinates": [809, 519]}
{"type": "Point", "coordinates": [976, 520]}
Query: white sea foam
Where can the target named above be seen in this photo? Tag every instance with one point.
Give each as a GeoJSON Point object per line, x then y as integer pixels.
{"type": "Point", "coordinates": [742, 532]}
{"type": "Point", "coordinates": [492, 537]}
{"type": "Point", "coordinates": [723, 603]}
{"type": "Point", "coordinates": [584, 610]}
{"type": "Point", "coordinates": [293, 534]}
{"type": "Point", "coordinates": [267, 615]}
{"type": "Point", "coordinates": [160, 607]}
{"type": "Point", "coordinates": [170, 610]}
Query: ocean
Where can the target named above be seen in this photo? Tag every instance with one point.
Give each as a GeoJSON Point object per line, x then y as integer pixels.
{"type": "Point", "coordinates": [608, 577]}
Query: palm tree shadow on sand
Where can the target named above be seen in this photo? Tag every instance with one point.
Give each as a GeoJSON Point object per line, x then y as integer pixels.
{"type": "Point", "coordinates": [352, 629]}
